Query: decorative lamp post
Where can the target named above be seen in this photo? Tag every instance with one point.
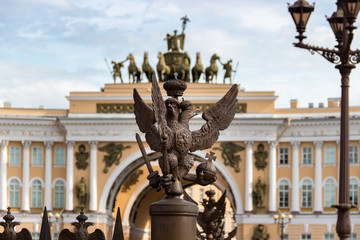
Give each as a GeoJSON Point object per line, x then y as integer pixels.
{"type": "Point", "coordinates": [282, 223]}
{"type": "Point", "coordinates": [342, 24]}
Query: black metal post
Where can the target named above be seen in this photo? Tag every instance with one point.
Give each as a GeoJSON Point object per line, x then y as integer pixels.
{"type": "Point", "coordinates": [342, 25]}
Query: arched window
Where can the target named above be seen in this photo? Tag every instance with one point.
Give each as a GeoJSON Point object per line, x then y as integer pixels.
{"type": "Point", "coordinates": [59, 194]}
{"type": "Point", "coordinates": [36, 194]}
{"type": "Point", "coordinates": [329, 194]}
{"type": "Point", "coordinates": [283, 194]}
{"type": "Point", "coordinates": [354, 191]}
{"type": "Point", "coordinates": [14, 193]}
{"type": "Point", "coordinates": [306, 194]}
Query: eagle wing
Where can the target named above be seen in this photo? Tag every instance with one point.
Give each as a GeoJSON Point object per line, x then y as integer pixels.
{"type": "Point", "coordinates": [97, 235]}
{"type": "Point", "coordinates": [24, 234]}
{"type": "Point", "coordinates": [220, 208]}
{"type": "Point", "coordinates": [145, 119]}
{"type": "Point", "coordinates": [66, 235]}
{"type": "Point", "coordinates": [218, 117]}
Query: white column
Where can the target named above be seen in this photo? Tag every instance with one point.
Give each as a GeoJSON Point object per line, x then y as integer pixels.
{"type": "Point", "coordinates": [3, 175]}
{"type": "Point", "coordinates": [249, 176]}
{"type": "Point", "coordinates": [48, 177]}
{"type": "Point", "coordinates": [295, 203]}
{"type": "Point", "coordinates": [25, 203]}
{"type": "Point", "coordinates": [318, 177]}
{"type": "Point", "coordinates": [69, 203]}
{"type": "Point", "coordinates": [93, 176]}
{"type": "Point", "coordinates": [272, 177]}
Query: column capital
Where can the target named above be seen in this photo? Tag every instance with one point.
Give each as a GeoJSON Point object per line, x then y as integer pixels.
{"type": "Point", "coordinates": [318, 144]}
{"type": "Point", "coordinates": [70, 144]}
{"type": "Point", "coordinates": [272, 144]}
{"type": "Point", "coordinates": [93, 143]}
{"type": "Point", "coordinates": [295, 143]}
{"type": "Point", "coordinates": [26, 143]}
{"type": "Point", "coordinates": [249, 143]}
{"type": "Point", "coordinates": [4, 143]}
{"type": "Point", "coordinates": [48, 144]}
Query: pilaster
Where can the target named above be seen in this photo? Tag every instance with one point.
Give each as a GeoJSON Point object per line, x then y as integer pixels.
{"type": "Point", "coordinates": [295, 201]}
{"type": "Point", "coordinates": [3, 175]}
{"type": "Point", "coordinates": [93, 178]}
{"type": "Point", "coordinates": [69, 203]}
{"type": "Point", "coordinates": [25, 203]}
{"type": "Point", "coordinates": [249, 176]}
{"type": "Point", "coordinates": [48, 174]}
{"type": "Point", "coordinates": [318, 177]}
{"type": "Point", "coordinates": [272, 177]}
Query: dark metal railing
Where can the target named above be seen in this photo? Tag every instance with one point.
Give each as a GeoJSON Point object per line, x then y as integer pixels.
{"type": "Point", "coordinates": [81, 232]}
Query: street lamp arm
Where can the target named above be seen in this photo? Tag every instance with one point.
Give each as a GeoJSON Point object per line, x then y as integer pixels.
{"type": "Point", "coordinates": [331, 55]}
{"type": "Point", "coordinates": [354, 57]}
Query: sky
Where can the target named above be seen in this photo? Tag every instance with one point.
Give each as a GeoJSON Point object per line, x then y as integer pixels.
{"type": "Point", "coordinates": [49, 48]}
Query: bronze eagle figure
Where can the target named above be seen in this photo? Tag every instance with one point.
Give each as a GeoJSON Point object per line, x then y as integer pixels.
{"type": "Point", "coordinates": [166, 128]}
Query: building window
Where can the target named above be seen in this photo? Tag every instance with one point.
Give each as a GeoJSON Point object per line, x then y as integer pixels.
{"type": "Point", "coordinates": [55, 236]}
{"type": "Point", "coordinates": [306, 236]}
{"type": "Point", "coordinates": [190, 192]}
{"type": "Point", "coordinates": [14, 156]}
{"type": "Point", "coordinates": [329, 236]}
{"type": "Point", "coordinates": [36, 194]}
{"type": "Point", "coordinates": [59, 192]}
{"type": "Point", "coordinates": [283, 194]}
{"type": "Point", "coordinates": [285, 236]}
{"type": "Point", "coordinates": [329, 155]}
{"type": "Point", "coordinates": [35, 236]}
{"type": "Point", "coordinates": [353, 236]}
{"type": "Point", "coordinates": [60, 156]}
{"type": "Point", "coordinates": [353, 154]}
{"type": "Point", "coordinates": [283, 156]}
{"type": "Point", "coordinates": [307, 155]}
{"type": "Point", "coordinates": [14, 193]}
{"type": "Point", "coordinates": [354, 191]}
{"type": "Point", "coordinates": [37, 156]}
{"type": "Point", "coordinates": [306, 194]}
{"type": "Point", "coordinates": [329, 194]}
{"type": "Point", "coordinates": [202, 194]}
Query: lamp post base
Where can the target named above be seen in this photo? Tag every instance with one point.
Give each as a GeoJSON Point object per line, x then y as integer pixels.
{"type": "Point", "coordinates": [173, 218]}
{"type": "Point", "coordinates": [343, 224]}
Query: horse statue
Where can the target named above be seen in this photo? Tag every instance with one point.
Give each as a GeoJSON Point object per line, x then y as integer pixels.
{"type": "Point", "coordinates": [162, 69]}
{"type": "Point", "coordinates": [134, 71]}
{"type": "Point", "coordinates": [146, 68]}
{"type": "Point", "coordinates": [212, 70]}
{"type": "Point", "coordinates": [198, 69]}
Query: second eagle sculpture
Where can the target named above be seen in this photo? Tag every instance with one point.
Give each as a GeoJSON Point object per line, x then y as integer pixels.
{"type": "Point", "coordinates": [166, 128]}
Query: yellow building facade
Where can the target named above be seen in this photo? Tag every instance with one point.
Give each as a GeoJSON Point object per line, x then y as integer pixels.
{"type": "Point", "coordinates": [45, 153]}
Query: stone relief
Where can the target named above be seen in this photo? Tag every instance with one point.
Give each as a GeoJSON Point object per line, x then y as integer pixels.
{"type": "Point", "coordinates": [82, 157]}
{"type": "Point", "coordinates": [260, 157]}
{"type": "Point", "coordinates": [228, 153]}
{"type": "Point", "coordinates": [114, 154]}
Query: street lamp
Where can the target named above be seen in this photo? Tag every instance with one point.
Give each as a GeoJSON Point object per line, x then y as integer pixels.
{"type": "Point", "coordinates": [342, 24]}
{"type": "Point", "coordinates": [282, 223]}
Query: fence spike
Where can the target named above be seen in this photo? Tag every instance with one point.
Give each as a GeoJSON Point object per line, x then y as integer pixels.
{"type": "Point", "coordinates": [118, 230]}
{"type": "Point", "coordinates": [45, 227]}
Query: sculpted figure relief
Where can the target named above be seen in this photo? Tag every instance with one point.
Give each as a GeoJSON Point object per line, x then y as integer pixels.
{"type": "Point", "coordinates": [259, 193]}
{"type": "Point", "coordinates": [81, 192]}
{"type": "Point", "coordinates": [166, 129]}
{"type": "Point", "coordinates": [260, 233]}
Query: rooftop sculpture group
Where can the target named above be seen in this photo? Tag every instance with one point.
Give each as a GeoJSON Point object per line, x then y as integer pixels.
{"type": "Point", "coordinates": [174, 61]}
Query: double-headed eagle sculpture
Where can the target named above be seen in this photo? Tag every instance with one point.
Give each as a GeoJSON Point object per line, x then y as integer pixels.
{"type": "Point", "coordinates": [166, 128]}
